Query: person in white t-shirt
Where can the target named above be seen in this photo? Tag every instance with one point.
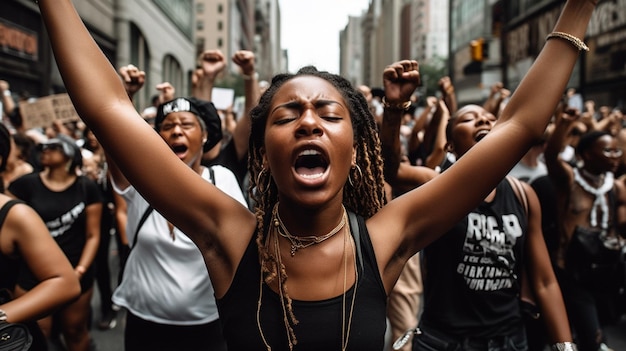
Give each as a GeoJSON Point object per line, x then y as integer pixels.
{"type": "Point", "coordinates": [165, 288]}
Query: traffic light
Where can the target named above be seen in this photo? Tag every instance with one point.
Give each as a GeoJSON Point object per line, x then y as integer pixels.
{"type": "Point", "coordinates": [479, 50]}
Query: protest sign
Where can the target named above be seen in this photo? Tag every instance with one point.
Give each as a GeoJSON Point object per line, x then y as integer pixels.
{"type": "Point", "coordinates": [222, 98]}
{"type": "Point", "coordinates": [43, 111]}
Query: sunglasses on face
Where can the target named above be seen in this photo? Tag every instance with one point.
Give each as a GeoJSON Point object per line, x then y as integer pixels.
{"type": "Point", "coordinates": [612, 152]}
{"type": "Point", "coordinates": [52, 147]}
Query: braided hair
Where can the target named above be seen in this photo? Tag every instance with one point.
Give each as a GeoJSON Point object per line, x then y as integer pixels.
{"type": "Point", "coordinates": [364, 194]}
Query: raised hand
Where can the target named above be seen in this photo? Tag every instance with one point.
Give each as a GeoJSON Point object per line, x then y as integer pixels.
{"type": "Point", "coordinates": [166, 92]}
{"type": "Point", "coordinates": [210, 64]}
{"type": "Point", "coordinates": [245, 60]}
{"type": "Point", "coordinates": [133, 79]}
{"type": "Point", "coordinates": [400, 81]}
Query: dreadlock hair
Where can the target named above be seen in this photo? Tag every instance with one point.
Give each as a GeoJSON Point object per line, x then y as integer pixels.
{"type": "Point", "coordinates": [365, 197]}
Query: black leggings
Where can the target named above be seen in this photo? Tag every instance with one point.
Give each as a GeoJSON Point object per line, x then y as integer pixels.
{"type": "Point", "coordinates": [101, 263]}
{"type": "Point", "coordinates": [141, 335]}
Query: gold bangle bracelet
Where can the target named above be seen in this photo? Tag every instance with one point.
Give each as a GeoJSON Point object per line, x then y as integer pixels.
{"type": "Point", "coordinates": [254, 76]}
{"type": "Point", "coordinates": [401, 106]}
{"type": "Point", "coordinates": [579, 44]}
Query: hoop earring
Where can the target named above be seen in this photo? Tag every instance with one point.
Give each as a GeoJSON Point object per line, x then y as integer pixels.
{"type": "Point", "coordinates": [350, 175]}
{"type": "Point", "coordinates": [259, 188]}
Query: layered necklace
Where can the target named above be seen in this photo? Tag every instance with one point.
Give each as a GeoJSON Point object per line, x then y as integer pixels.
{"type": "Point", "coordinates": [346, 321]}
{"type": "Point", "coordinates": [302, 242]}
{"type": "Point", "coordinates": [600, 202]}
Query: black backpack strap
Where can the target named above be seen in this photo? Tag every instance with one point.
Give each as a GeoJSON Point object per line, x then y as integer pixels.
{"type": "Point", "coordinates": [145, 216]}
{"type": "Point", "coordinates": [5, 209]}
{"type": "Point", "coordinates": [520, 193]}
{"type": "Point", "coordinates": [212, 173]}
{"type": "Point", "coordinates": [356, 234]}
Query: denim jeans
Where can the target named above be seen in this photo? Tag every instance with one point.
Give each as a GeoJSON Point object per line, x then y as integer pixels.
{"type": "Point", "coordinates": [434, 340]}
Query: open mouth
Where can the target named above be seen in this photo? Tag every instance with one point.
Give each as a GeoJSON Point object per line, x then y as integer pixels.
{"type": "Point", "coordinates": [481, 134]}
{"type": "Point", "coordinates": [179, 149]}
{"type": "Point", "coordinates": [310, 164]}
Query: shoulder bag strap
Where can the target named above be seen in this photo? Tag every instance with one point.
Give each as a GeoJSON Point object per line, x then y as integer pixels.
{"type": "Point", "coordinates": [212, 173]}
{"type": "Point", "coordinates": [520, 193]}
{"type": "Point", "coordinates": [527, 295]}
{"type": "Point", "coordinates": [145, 216]}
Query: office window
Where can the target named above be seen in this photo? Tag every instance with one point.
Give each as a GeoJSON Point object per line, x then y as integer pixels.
{"type": "Point", "coordinates": [140, 57]}
{"type": "Point", "coordinates": [173, 73]}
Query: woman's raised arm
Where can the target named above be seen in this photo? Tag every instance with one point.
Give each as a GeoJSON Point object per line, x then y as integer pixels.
{"type": "Point", "coordinates": [424, 214]}
{"type": "Point", "coordinates": [147, 162]}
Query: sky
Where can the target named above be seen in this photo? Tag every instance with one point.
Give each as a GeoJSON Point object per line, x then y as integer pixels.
{"type": "Point", "coordinates": [310, 30]}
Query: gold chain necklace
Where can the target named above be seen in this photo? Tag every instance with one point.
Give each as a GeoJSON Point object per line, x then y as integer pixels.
{"type": "Point", "coordinates": [345, 330]}
{"type": "Point", "coordinates": [302, 242]}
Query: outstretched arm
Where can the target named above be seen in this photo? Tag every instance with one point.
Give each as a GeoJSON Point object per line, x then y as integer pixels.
{"type": "Point", "coordinates": [496, 96]}
{"type": "Point", "coordinates": [421, 122]}
{"type": "Point", "coordinates": [210, 64]}
{"type": "Point", "coordinates": [435, 136]}
{"type": "Point", "coordinates": [24, 234]}
{"type": "Point", "coordinates": [558, 170]}
{"type": "Point", "coordinates": [447, 94]}
{"type": "Point", "coordinates": [398, 233]}
{"type": "Point", "coordinates": [543, 281]}
{"type": "Point", "coordinates": [400, 175]}
{"type": "Point", "coordinates": [246, 61]}
{"type": "Point", "coordinates": [207, 216]}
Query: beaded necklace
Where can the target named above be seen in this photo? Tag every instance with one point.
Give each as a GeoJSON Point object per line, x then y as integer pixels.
{"type": "Point", "coordinates": [345, 329]}
{"type": "Point", "coordinates": [302, 242]}
{"type": "Point", "coordinates": [600, 202]}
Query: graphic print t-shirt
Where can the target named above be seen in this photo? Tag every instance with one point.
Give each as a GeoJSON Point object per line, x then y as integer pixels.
{"type": "Point", "coordinates": [470, 283]}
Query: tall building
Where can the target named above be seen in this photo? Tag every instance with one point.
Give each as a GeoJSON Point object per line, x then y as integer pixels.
{"type": "Point", "coordinates": [429, 30]}
{"type": "Point", "coordinates": [267, 43]}
{"type": "Point", "coordinates": [392, 30]}
{"type": "Point", "coordinates": [225, 25]}
{"type": "Point", "coordinates": [472, 23]}
{"type": "Point", "coordinates": [154, 35]}
{"type": "Point", "coordinates": [232, 25]}
{"type": "Point", "coordinates": [351, 57]}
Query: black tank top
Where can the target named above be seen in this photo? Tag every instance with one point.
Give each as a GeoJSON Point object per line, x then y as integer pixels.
{"type": "Point", "coordinates": [320, 322]}
{"type": "Point", "coordinates": [470, 284]}
{"type": "Point", "coordinates": [8, 266]}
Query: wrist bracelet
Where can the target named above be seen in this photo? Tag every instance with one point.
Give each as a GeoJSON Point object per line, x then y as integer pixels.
{"type": "Point", "coordinates": [249, 77]}
{"type": "Point", "coordinates": [564, 346]}
{"type": "Point", "coordinates": [7, 93]}
{"type": "Point", "coordinates": [579, 44]}
{"type": "Point", "coordinates": [3, 316]}
{"type": "Point", "coordinates": [401, 106]}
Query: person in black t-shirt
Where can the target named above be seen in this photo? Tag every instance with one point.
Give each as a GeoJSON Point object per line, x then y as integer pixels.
{"type": "Point", "coordinates": [314, 159]}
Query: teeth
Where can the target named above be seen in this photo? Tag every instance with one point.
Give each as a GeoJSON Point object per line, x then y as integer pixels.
{"type": "Point", "coordinates": [311, 176]}
{"type": "Point", "coordinates": [309, 153]}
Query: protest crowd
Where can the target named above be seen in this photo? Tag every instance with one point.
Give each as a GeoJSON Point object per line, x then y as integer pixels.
{"type": "Point", "coordinates": [424, 225]}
